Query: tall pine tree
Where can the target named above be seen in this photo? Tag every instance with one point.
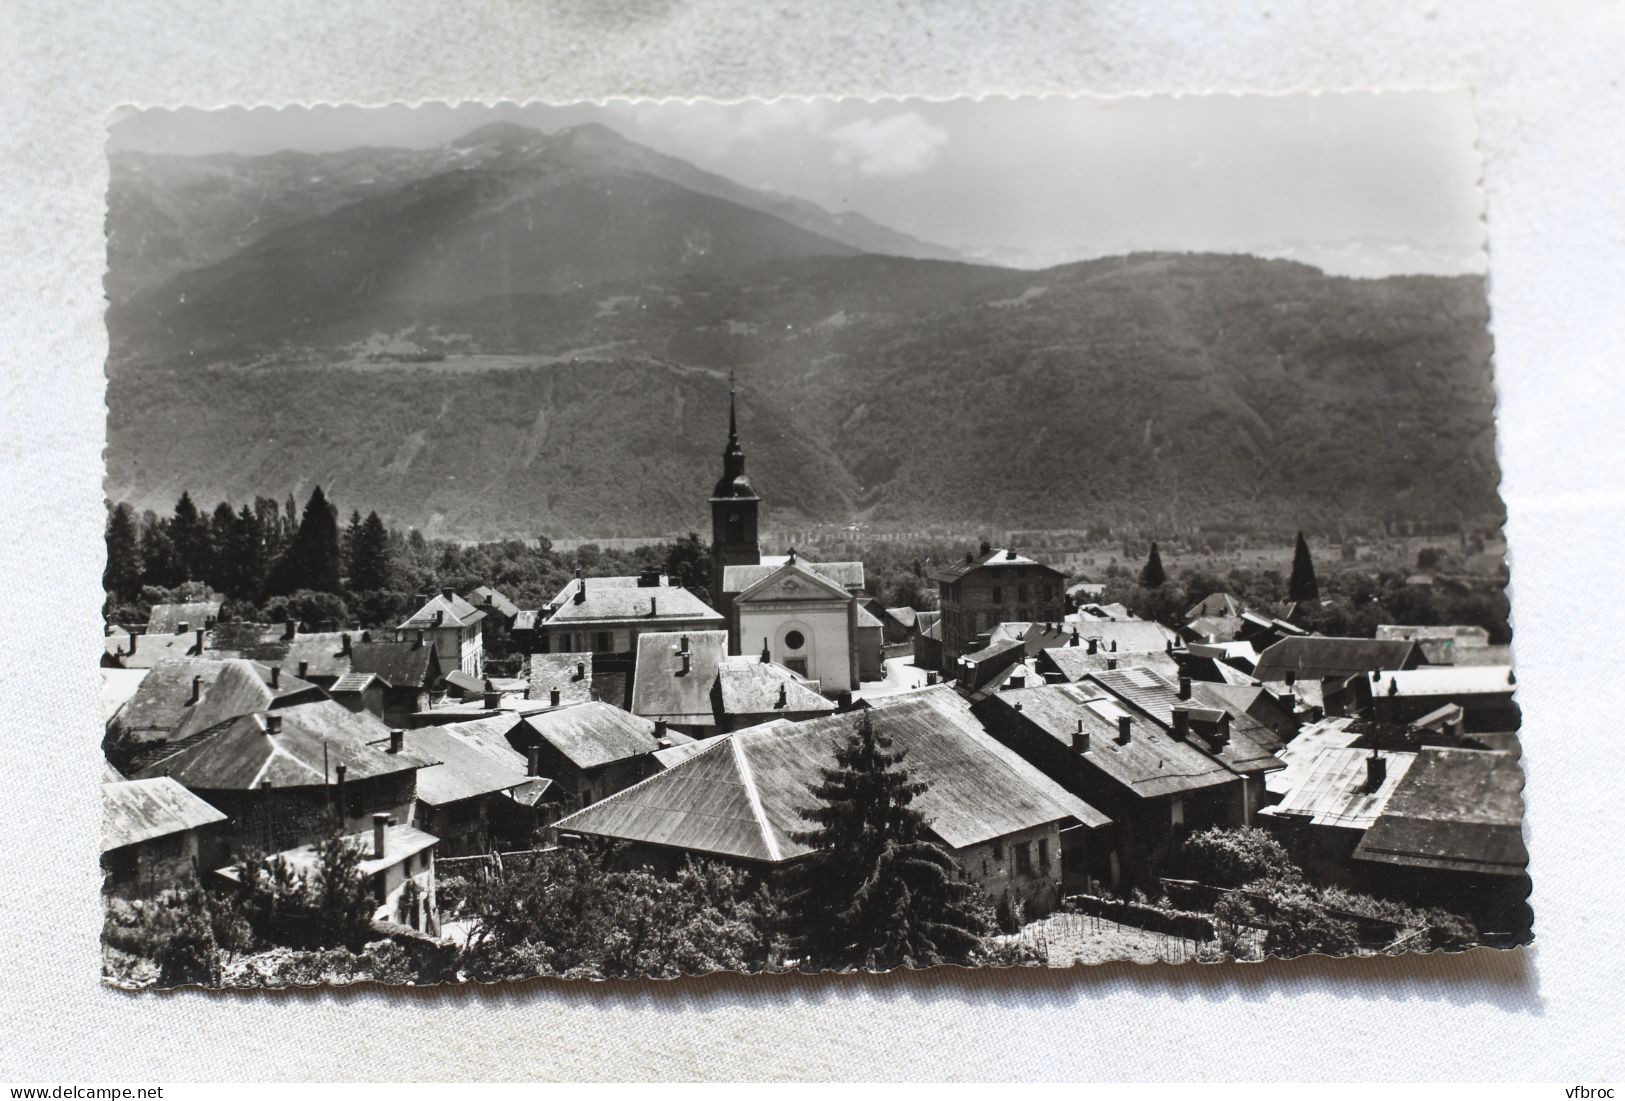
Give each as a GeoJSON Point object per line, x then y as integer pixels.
{"type": "Point", "coordinates": [1152, 575]}
{"type": "Point", "coordinates": [122, 577]}
{"type": "Point", "coordinates": [372, 565]}
{"type": "Point", "coordinates": [189, 532]}
{"type": "Point", "coordinates": [1303, 585]}
{"type": "Point", "coordinates": [878, 892]}
{"type": "Point", "coordinates": [311, 560]}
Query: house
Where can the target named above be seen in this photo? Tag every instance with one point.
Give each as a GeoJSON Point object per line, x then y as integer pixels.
{"type": "Point", "coordinates": [600, 618]}
{"type": "Point", "coordinates": [1329, 803]}
{"type": "Point", "coordinates": [500, 616]}
{"type": "Point", "coordinates": [453, 626]}
{"type": "Point", "coordinates": [1216, 604]}
{"type": "Point", "coordinates": [742, 798]}
{"type": "Point", "coordinates": [454, 798]}
{"type": "Point", "coordinates": [1122, 636]}
{"type": "Point", "coordinates": [1070, 664]}
{"type": "Point", "coordinates": [1483, 692]}
{"type": "Point", "coordinates": [673, 676]}
{"type": "Point", "coordinates": [806, 615]}
{"type": "Point", "coordinates": [397, 866]}
{"type": "Point", "coordinates": [178, 699]}
{"type": "Point", "coordinates": [514, 818]}
{"type": "Point", "coordinates": [150, 832]}
{"type": "Point", "coordinates": [1442, 645]}
{"type": "Point", "coordinates": [571, 675]}
{"type": "Point", "coordinates": [524, 637]}
{"type": "Point", "coordinates": [146, 651]}
{"type": "Point", "coordinates": [1312, 658]}
{"type": "Point", "coordinates": [928, 642]}
{"type": "Point", "coordinates": [410, 672]}
{"type": "Point", "coordinates": [749, 691]}
{"type": "Point", "coordinates": [360, 692]}
{"type": "Point", "coordinates": [870, 642]}
{"type": "Point", "coordinates": [320, 657]}
{"type": "Point", "coordinates": [1451, 835]}
{"type": "Point", "coordinates": [990, 588]}
{"type": "Point", "coordinates": [589, 750]}
{"type": "Point", "coordinates": [1209, 721]}
{"type": "Point", "coordinates": [180, 619]}
{"type": "Point", "coordinates": [286, 777]}
{"type": "Point", "coordinates": [900, 624]}
{"type": "Point", "coordinates": [1154, 787]}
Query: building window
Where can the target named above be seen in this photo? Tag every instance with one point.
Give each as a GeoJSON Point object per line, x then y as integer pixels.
{"type": "Point", "coordinates": [794, 640]}
{"type": "Point", "coordinates": [603, 642]}
{"type": "Point", "coordinates": [1024, 859]}
{"type": "Point", "coordinates": [998, 595]}
{"type": "Point", "coordinates": [1043, 853]}
{"type": "Point", "coordinates": [1021, 593]}
{"type": "Point", "coordinates": [998, 850]}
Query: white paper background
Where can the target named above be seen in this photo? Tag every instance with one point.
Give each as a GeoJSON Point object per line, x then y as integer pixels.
{"type": "Point", "coordinates": [1547, 78]}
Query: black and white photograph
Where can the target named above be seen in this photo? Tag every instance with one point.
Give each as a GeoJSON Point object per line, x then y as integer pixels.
{"type": "Point", "coordinates": [640, 539]}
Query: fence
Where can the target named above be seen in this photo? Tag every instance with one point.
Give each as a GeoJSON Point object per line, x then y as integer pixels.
{"type": "Point", "coordinates": [489, 863]}
{"type": "Point", "coordinates": [1059, 939]}
{"type": "Point", "coordinates": [1176, 923]}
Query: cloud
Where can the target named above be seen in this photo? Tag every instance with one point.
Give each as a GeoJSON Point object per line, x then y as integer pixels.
{"type": "Point", "coordinates": [898, 145]}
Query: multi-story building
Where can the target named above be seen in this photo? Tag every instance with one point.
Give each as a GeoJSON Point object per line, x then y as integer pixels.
{"type": "Point", "coordinates": [990, 588]}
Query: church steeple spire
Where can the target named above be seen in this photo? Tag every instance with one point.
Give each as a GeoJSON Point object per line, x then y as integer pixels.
{"type": "Point", "coordinates": [734, 506]}
{"type": "Point", "coordinates": [733, 483]}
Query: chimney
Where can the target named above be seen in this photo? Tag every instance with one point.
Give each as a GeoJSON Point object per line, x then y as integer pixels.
{"type": "Point", "coordinates": [439, 616]}
{"type": "Point", "coordinates": [197, 689]}
{"type": "Point", "coordinates": [1094, 646]}
{"type": "Point", "coordinates": [987, 548]}
{"type": "Point", "coordinates": [685, 658]}
{"type": "Point", "coordinates": [581, 670]}
{"type": "Point", "coordinates": [134, 640]}
{"type": "Point", "coordinates": [969, 557]}
{"type": "Point", "coordinates": [493, 700]}
{"type": "Point", "coordinates": [380, 823]}
{"type": "Point", "coordinates": [339, 772]}
{"type": "Point", "coordinates": [654, 608]}
{"type": "Point", "coordinates": [397, 740]}
{"type": "Point", "coordinates": [417, 643]}
{"type": "Point", "coordinates": [767, 654]}
{"type": "Point", "coordinates": [290, 628]}
{"type": "Point", "coordinates": [1080, 738]}
{"type": "Point", "coordinates": [200, 642]}
{"type": "Point", "coordinates": [273, 724]}
{"type": "Point", "coordinates": [682, 644]}
{"type": "Point", "coordinates": [304, 669]}
{"type": "Point", "coordinates": [1075, 637]}
{"type": "Point", "coordinates": [447, 593]}
{"type": "Point", "coordinates": [1184, 688]}
{"type": "Point", "coordinates": [1221, 737]}
{"type": "Point", "coordinates": [1009, 556]}
{"type": "Point", "coordinates": [1291, 677]}
{"type": "Point", "coordinates": [581, 588]}
{"type": "Point", "coordinates": [344, 644]}
{"type": "Point", "coordinates": [490, 600]}
{"type": "Point", "coordinates": [660, 730]}
{"type": "Point", "coordinates": [552, 697]}
{"type": "Point", "coordinates": [533, 761]}
{"type": "Point", "coordinates": [182, 627]}
{"type": "Point", "coordinates": [1182, 723]}
{"type": "Point", "coordinates": [1125, 729]}
{"type": "Point", "coordinates": [784, 697]}
{"type": "Point", "coordinates": [1376, 771]}
{"type": "Point", "coordinates": [1114, 646]}
{"type": "Point", "coordinates": [276, 676]}
{"type": "Point", "coordinates": [1111, 663]}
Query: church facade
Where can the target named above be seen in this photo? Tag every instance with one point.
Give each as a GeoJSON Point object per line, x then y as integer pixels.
{"type": "Point", "coordinates": [803, 615]}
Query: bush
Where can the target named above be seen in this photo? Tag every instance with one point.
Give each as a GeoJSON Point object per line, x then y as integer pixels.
{"type": "Point", "coordinates": [1230, 858]}
{"type": "Point", "coordinates": [172, 930]}
{"type": "Point", "coordinates": [1294, 916]}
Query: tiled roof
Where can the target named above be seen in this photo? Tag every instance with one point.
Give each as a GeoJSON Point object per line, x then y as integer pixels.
{"type": "Point", "coordinates": [1151, 763]}
{"type": "Point", "coordinates": [1129, 635]}
{"type": "Point", "coordinates": [1252, 745]}
{"type": "Point", "coordinates": [134, 811]}
{"type": "Point", "coordinates": [324, 653]}
{"type": "Point", "coordinates": [352, 683]}
{"type": "Point", "coordinates": [1215, 604]}
{"type": "Point", "coordinates": [751, 687]}
{"type": "Point", "coordinates": [1333, 790]}
{"type": "Point", "coordinates": [606, 604]}
{"type": "Point", "coordinates": [592, 734]}
{"type": "Point", "coordinates": [570, 673]}
{"type": "Point", "coordinates": [166, 619]}
{"type": "Point", "coordinates": [1456, 810]}
{"type": "Point", "coordinates": [504, 607]}
{"type": "Point", "coordinates": [400, 842]}
{"type": "Point", "coordinates": [1300, 754]}
{"type": "Point", "coordinates": [398, 664]}
{"type": "Point", "coordinates": [997, 558]}
{"type": "Point", "coordinates": [454, 611]}
{"type": "Point", "coordinates": [906, 616]}
{"type": "Point", "coordinates": [1317, 657]}
{"type": "Point", "coordinates": [660, 688]}
{"type": "Point", "coordinates": [1076, 662]}
{"type": "Point", "coordinates": [314, 738]}
{"type": "Point", "coordinates": [465, 771]}
{"type": "Point", "coordinates": [1446, 680]}
{"type": "Point", "coordinates": [147, 651]}
{"type": "Point", "coordinates": [162, 708]}
{"type": "Point", "coordinates": [847, 575]}
{"type": "Point", "coordinates": [866, 618]}
{"type": "Point", "coordinates": [743, 795]}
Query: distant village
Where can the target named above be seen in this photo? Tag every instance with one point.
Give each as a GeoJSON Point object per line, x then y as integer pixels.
{"type": "Point", "coordinates": [702, 774]}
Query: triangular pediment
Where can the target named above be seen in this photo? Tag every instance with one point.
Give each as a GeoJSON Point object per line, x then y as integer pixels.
{"type": "Point", "coordinates": [792, 581]}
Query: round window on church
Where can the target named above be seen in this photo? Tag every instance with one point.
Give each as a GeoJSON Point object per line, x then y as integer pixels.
{"type": "Point", "coordinates": [794, 640]}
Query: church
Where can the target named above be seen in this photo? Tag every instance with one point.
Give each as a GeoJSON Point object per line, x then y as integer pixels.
{"type": "Point", "coordinates": [804, 615]}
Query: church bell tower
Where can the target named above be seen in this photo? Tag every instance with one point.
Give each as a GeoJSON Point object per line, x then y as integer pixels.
{"type": "Point", "coordinates": [733, 513]}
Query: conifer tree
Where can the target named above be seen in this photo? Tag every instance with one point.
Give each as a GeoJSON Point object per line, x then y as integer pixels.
{"type": "Point", "coordinates": [352, 535]}
{"type": "Point", "coordinates": [158, 563]}
{"type": "Point", "coordinates": [371, 558]}
{"type": "Point", "coordinates": [1153, 575]}
{"type": "Point", "coordinates": [122, 577]}
{"type": "Point", "coordinates": [1303, 585]}
{"type": "Point", "coordinates": [189, 532]}
{"type": "Point", "coordinates": [877, 892]}
{"type": "Point", "coordinates": [312, 558]}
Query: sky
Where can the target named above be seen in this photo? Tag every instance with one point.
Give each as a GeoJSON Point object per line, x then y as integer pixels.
{"type": "Point", "coordinates": [1357, 183]}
